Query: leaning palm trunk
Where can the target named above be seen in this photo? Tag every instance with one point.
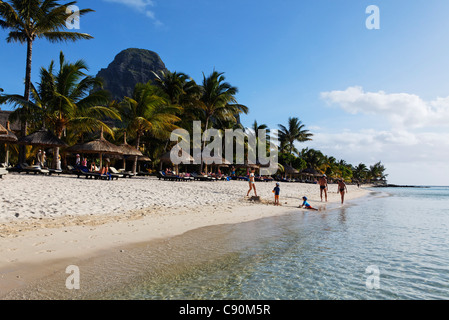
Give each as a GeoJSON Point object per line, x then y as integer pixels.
{"type": "Point", "coordinates": [136, 157]}
{"type": "Point", "coordinates": [24, 123]}
{"type": "Point", "coordinates": [204, 146]}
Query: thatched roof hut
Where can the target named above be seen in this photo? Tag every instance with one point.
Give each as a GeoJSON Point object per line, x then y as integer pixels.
{"type": "Point", "coordinates": [185, 157]}
{"type": "Point", "coordinates": [42, 138]}
{"type": "Point", "coordinates": [100, 146]}
{"type": "Point", "coordinates": [128, 150]}
{"type": "Point", "coordinates": [6, 135]}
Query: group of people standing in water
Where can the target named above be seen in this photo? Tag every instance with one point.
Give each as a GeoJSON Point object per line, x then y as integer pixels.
{"type": "Point", "coordinates": [322, 181]}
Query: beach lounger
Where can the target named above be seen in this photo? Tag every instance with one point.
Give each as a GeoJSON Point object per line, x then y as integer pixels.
{"type": "Point", "coordinates": [163, 175]}
{"type": "Point", "coordinates": [36, 169]}
{"type": "Point", "coordinates": [55, 171]}
{"type": "Point", "coordinates": [200, 177]}
{"type": "Point", "coordinates": [143, 174]}
{"type": "Point", "coordinates": [115, 174]}
{"type": "Point", "coordinates": [3, 172]}
{"type": "Point", "coordinates": [126, 174]}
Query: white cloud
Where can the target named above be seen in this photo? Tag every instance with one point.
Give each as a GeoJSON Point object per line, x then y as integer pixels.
{"type": "Point", "coordinates": [410, 157]}
{"type": "Point", "coordinates": [403, 110]}
{"type": "Point", "coordinates": [141, 6]}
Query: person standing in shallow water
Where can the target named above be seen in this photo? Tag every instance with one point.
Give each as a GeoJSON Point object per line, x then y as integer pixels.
{"type": "Point", "coordinates": [342, 189]}
{"type": "Point", "coordinates": [323, 187]}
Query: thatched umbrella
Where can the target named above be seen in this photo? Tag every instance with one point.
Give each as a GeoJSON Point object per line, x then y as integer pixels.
{"type": "Point", "coordinates": [212, 160]}
{"type": "Point", "coordinates": [290, 170]}
{"type": "Point", "coordinates": [225, 163]}
{"type": "Point", "coordinates": [185, 158]}
{"type": "Point", "coordinates": [311, 172]}
{"type": "Point", "coordinates": [100, 146]}
{"type": "Point", "coordinates": [248, 166]}
{"type": "Point", "coordinates": [7, 137]}
{"type": "Point", "coordinates": [144, 159]}
{"type": "Point", "coordinates": [44, 139]}
{"type": "Point", "coordinates": [128, 150]}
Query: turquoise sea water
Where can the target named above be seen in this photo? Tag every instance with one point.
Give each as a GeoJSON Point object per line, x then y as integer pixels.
{"type": "Point", "coordinates": [403, 233]}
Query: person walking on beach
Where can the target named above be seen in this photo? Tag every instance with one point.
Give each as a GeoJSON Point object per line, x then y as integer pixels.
{"type": "Point", "coordinates": [252, 183]}
{"type": "Point", "coordinates": [276, 191]}
{"type": "Point", "coordinates": [341, 189]}
{"type": "Point", "coordinates": [323, 187]}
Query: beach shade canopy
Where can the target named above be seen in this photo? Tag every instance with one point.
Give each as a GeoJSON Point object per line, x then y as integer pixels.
{"type": "Point", "coordinates": [311, 172]}
{"type": "Point", "coordinates": [290, 170]}
{"type": "Point", "coordinates": [248, 165]}
{"type": "Point", "coordinates": [3, 130]}
{"type": "Point", "coordinates": [128, 150]}
{"type": "Point", "coordinates": [7, 137]}
{"type": "Point", "coordinates": [212, 159]}
{"type": "Point", "coordinates": [100, 146]}
{"type": "Point", "coordinates": [42, 138]}
{"type": "Point", "coordinates": [185, 157]}
{"type": "Point", "coordinates": [6, 134]}
{"type": "Point", "coordinates": [225, 163]}
{"type": "Point", "coordinates": [144, 159]}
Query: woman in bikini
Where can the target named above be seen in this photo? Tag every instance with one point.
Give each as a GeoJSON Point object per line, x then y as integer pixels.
{"type": "Point", "coordinates": [341, 189]}
{"type": "Point", "coordinates": [252, 183]}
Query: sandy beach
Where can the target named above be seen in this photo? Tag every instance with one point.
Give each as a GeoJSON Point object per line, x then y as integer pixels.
{"type": "Point", "coordinates": [48, 223]}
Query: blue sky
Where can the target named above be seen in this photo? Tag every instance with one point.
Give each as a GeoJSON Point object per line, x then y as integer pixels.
{"type": "Point", "coordinates": [367, 95]}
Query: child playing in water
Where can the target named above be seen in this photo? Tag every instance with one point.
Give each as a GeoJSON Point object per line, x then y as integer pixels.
{"type": "Point", "coordinates": [306, 205]}
{"type": "Point", "coordinates": [276, 192]}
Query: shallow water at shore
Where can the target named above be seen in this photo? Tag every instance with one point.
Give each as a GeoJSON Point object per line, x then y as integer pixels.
{"type": "Point", "coordinates": [402, 233]}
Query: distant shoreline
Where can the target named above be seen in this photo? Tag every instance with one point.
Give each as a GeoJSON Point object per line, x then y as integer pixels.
{"type": "Point", "coordinates": [400, 186]}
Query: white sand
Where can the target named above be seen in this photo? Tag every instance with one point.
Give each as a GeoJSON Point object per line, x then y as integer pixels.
{"type": "Point", "coordinates": [47, 219]}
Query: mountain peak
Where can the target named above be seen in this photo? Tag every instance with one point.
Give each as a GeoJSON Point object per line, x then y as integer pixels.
{"type": "Point", "coordinates": [130, 66]}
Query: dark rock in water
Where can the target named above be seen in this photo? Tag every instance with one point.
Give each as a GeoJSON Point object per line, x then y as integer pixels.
{"type": "Point", "coordinates": [130, 67]}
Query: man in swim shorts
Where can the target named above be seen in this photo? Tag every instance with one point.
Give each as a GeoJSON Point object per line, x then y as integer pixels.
{"type": "Point", "coordinates": [323, 187]}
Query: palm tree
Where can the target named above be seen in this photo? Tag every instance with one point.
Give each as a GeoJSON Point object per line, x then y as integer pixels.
{"type": "Point", "coordinates": [181, 91]}
{"type": "Point", "coordinates": [63, 101]}
{"type": "Point", "coordinates": [361, 172]}
{"type": "Point", "coordinates": [314, 159]}
{"type": "Point", "coordinates": [218, 101]}
{"type": "Point", "coordinates": [294, 132]}
{"type": "Point", "coordinates": [148, 112]}
{"type": "Point", "coordinates": [377, 172]}
{"type": "Point", "coordinates": [28, 20]}
{"type": "Point", "coordinates": [255, 127]}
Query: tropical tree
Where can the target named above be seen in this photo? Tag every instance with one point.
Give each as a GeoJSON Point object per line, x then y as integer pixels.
{"type": "Point", "coordinates": [146, 111]}
{"type": "Point", "coordinates": [377, 172]}
{"type": "Point", "coordinates": [361, 172]}
{"type": "Point", "coordinates": [314, 159]}
{"type": "Point", "coordinates": [218, 101]}
{"type": "Point", "coordinates": [28, 20]}
{"type": "Point", "coordinates": [64, 101]}
{"type": "Point", "coordinates": [182, 91]}
{"type": "Point", "coordinates": [294, 132]}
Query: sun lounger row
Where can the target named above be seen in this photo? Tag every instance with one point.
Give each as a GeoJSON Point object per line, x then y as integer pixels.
{"type": "Point", "coordinates": [173, 177]}
{"type": "Point", "coordinates": [24, 167]}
